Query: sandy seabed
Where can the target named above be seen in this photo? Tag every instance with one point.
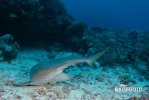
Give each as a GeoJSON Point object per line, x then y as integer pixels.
{"type": "Point", "coordinates": [87, 84]}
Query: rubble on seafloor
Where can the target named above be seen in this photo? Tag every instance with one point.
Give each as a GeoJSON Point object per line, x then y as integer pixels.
{"type": "Point", "coordinates": [87, 83]}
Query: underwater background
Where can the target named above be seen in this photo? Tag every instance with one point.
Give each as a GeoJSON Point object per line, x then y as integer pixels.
{"type": "Point", "coordinates": [117, 14]}
{"type": "Point", "coordinates": [35, 31]}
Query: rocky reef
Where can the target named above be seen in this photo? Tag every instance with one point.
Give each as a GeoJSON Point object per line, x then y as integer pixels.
{"type": "Point", "coordinates": [8, 48]}
{"type": "Point", "coordinates": [46, 22]}
{"type": "Point", "coordinates": [125, 47]}
{"type": "Point", "coordinates": [39, 21]}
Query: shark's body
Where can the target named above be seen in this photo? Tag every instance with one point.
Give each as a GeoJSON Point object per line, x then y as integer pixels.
{"type": "Point", "coordinates": [52, 71]}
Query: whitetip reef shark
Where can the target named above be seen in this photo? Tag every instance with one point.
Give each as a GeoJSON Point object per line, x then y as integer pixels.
{"type": "Point", "coordinates": [52, 71]}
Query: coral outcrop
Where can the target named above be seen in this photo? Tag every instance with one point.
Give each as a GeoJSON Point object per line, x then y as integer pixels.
{"type": "Point", "coordinates": [34, 21]}
{"type": "Point", "coordinates": [8, 47]}
{"type": "Point", "coordinates": [124, 47]}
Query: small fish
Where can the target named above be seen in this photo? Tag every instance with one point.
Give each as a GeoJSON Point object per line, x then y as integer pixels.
{"type": "Point", "coordinates": [52, 71]}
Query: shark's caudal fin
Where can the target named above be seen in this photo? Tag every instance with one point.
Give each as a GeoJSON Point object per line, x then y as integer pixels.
{"type": "Point", "coordinates": [92, 59]}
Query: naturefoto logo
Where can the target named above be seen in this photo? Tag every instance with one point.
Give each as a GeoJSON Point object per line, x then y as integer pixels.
{"type": "Point", "coordinates": [126, 88]}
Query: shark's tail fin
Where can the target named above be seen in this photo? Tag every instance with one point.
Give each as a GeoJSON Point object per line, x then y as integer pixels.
{"type": "Point", "coordinates": [92, 59]}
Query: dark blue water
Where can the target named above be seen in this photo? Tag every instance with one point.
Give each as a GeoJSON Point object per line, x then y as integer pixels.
{"type": "Point", "coordinates": [117, 14]}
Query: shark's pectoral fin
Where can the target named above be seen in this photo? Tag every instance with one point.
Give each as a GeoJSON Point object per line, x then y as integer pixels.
{"type": "Point", "coordinates": [60, 77]}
